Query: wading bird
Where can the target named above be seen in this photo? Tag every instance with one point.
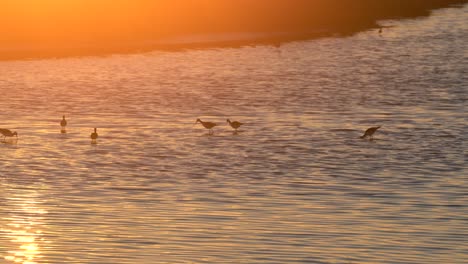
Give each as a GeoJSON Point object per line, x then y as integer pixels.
{"type": "Point", "coordinates": [207, 125]}
{"type": "Point", "coordinates": [94, 135]}
{"type": "Point", "coordinates": [370, 132]}
{"type": "Point", "coordinates": [7, 133]}
{"type": "Point", "coordinates": [235, 124]}
{"type": "Point", "coordinates": [63, 123]}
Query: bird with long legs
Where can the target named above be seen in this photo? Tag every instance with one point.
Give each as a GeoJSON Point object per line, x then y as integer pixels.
{"type": "Point", "coordinates": [63, 125]}
{"type": "Point", "coordinates": [94, 135]}
{"type": "Point", "coordinates": [234, 124]}
{"type": "Point", "coordinates": [207, 125]}
{"type": "Point", "coordinates": [8, 133]}
{"type": "Point", "coordinates": [370, 132]}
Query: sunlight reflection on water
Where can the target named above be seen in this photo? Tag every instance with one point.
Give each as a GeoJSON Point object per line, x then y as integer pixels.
{"type": "Point", "coordinates": [295, 185]}
{"type": "Point", "coordinates": [23, 227]}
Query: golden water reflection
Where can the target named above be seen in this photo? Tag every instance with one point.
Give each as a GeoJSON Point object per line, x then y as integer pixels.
{"type": "Point", "coordinates": [23, 228]}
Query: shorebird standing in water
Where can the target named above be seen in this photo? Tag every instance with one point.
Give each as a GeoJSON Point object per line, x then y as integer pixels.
{"type": "Point", "coordinates": [370, 132]}
{"type": "Point", "coordinates": [63, 123]}
{"type": "Point", "coordinates": [207, 125]}
{"type": "Point", "coordinates": [94, 135]}
{"type": "Point", "coordinates": [7, 133]}
{"type": "Point", "coordinates": [235, 124]}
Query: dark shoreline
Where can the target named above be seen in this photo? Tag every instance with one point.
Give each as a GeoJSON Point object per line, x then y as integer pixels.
{"type": "Point", "coordinates": [264, 34]}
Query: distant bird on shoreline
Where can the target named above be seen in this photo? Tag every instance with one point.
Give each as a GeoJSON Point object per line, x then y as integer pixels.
{"type": "Point", "coordinates": [207, 125]}
{"type": "Point", "coordinates": [94, 135]}
{"type": "Point", "coordinates": [235, 124]}
{"type": "Point", "coordinates": [370, 132]}
{"type": "Point", "coordinates": [63, 123]}
{"type": "Point", "coordinates": [8, 133]}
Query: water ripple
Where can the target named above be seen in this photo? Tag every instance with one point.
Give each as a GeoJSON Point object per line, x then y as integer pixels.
{"type": "Point", "coordinates": [295, 185]}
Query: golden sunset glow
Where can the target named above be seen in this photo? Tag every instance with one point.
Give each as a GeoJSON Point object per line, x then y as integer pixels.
{"type": "Point", "coordinates": [233, 131]}
{"type": "Point", "coordinates": [80, 27]}
{"type": "Point", "coordinates": [87, 20]}
{"type": "Point", "coordinates": [23, 231]}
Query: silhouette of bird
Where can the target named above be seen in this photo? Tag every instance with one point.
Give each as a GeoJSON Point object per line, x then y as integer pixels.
{"type": "Point", "coordinates": [380, 31]}
{"type": "Point", "coordinates": [370, 132]}
{"type": "Point", "coordinates": [207, 125]}
{"type": "Point", "coordinates": [94, 135]}
{"type": "Point", "coordinates": [7, 133]}
{"type": "Point", "coordinates": [63, 123]}
{"type": "Point", "coordinates": [235, 124]}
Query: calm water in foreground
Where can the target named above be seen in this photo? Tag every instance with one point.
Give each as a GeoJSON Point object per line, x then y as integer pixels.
{"type": "Point", "coordinates": [296, 185]}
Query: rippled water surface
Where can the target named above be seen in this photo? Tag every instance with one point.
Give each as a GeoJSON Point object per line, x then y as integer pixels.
{"type": "Point", "coordinates": [295, 185]}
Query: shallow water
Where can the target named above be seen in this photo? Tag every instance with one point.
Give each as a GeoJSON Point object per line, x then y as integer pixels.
{"type": "Point", "coordinates": [295, 185]}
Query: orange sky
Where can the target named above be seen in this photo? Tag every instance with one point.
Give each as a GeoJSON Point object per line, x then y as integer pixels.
{"type": "Point", "coordinates": [49, 19]}
{"type": "Point", "coordinates": [105, 24]}
{"type": "Point", "coordinates": [52, 20]}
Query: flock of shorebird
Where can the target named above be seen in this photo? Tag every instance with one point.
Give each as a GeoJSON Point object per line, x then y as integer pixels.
{"type": "Point", "coordinates": [94, 135]}
{"type": "Point", "coordinates": [208, 125]}
{"type": "Point", "coordinates": [63, 124]}
{"type": "Point", "coordinates": [369, 133]}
